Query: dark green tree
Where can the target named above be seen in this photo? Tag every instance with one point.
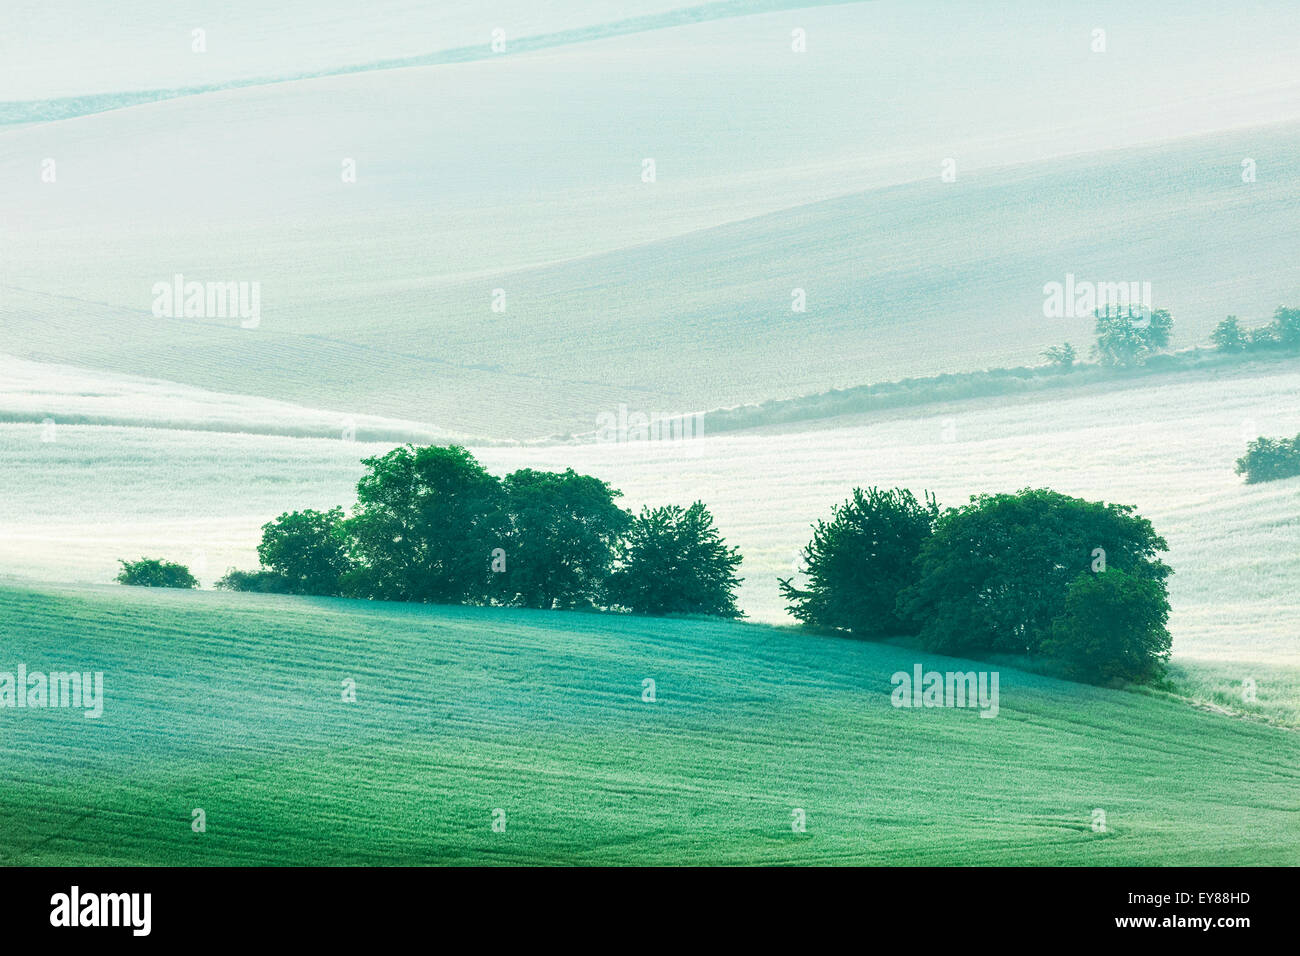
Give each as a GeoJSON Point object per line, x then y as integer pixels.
{"type": "Point", "coordinates": [155, 573]}
{"type": "Point", "coordinates": [1113, 628]}
{"type": "Point", "coordinates": [859, 561]}
{"type": "Point", "coordinates": [307, 550]}
{"type": "Point", "coordinates": [424, 527]}
{"type": "Point", "coordinates": [675, 562]}
{"type": "Point", "coordinates": [995, 573]}
{"type": "Point", "coordinates": [563, 532]}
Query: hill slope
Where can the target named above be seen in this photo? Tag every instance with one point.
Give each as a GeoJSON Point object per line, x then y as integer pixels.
{"type": "Point", "coordinates": [233, 704]}
{"type": "Point", "coordinates": [775, 171]}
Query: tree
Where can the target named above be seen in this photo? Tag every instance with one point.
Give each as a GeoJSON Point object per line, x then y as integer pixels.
{"type": "Point", "coordinates": [1268, 459]}
{"type": "Point", "coordinates": [1063, 356]}
{"type": "Point", "coordinates": [858, 562]}
{"type": "Point", "coordinates": [308, 550]}
{"type": "Point", "coordinates": [424, 527]}
{"type": "Point", "coordinates": [1122, 341]}
{"type": "Point", "coordinates": [1229, 336]}
{"type": "Point", "coordinates": [1113, 628]}
{"type": "Point", "coordinates": [1286, 327]}
{"type": "Point", "coordinates": [675, 562]}
{"type": "Point", "coordinates": [1264, 337]}
{"type": "Point", "coordinates": [995, 573]}
{"type": "Point", "coordinates": [155, 573]}
{"type": "Point", "coordinates": [563, 532]}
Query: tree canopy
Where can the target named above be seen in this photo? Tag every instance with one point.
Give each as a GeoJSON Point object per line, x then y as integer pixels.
{"type": "Point", "coordinates": [674, 561]}
{"type": "Point", "coordinates": [859, 561]}
{"type": "Point", "coordinates": [155, 573]}
{"type": "Point", "coordinates": [995, 573]}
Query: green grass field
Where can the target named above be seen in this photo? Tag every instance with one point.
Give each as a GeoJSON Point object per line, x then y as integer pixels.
{"type": "Point", "coordinates": [233, 703]}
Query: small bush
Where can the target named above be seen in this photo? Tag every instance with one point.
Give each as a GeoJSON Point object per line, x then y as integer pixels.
{"type": "Point", "coordinates": [156, 573]}
{"type": "Point", "coordinates": [1062, 356]}
{"type": "Point", "coordinates": [259, 582]}
{"type": "Point", "coordinates": [1268, 459]}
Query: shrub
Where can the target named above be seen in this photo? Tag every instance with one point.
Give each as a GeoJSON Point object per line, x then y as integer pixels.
{"type": "Point", "coordinates": [1268, 459]}
{"type": "Point", "coordinates": [858, 562]}
{"type": "Point", "coordinates": [1113, 628]}
{"type": "Point", "coordinates": [675, 562]}
{"type": "Point", "coordinates": [155, 573]}
{"type": "Point", "coordinates": [259, 582]}
{"type": "Point", "coordinates": [1062, 356]}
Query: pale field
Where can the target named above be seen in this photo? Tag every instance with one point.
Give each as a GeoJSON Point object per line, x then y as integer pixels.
{"type": "Point", "coordinates": [62, 395]}
{"type": "Point", "coordinates": [150, 49]}
{"type": "Point", "coordinates": [775, 171]}
{"type": "Point", "coordinates": [74, 505]}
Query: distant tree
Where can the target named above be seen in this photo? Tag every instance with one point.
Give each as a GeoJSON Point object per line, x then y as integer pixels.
{"type": "Point", "coordinates": [1268, 459]}
{"type": "Point", "coordinates": [1124, 341]}
{"type": "Point", "coordinates": [561, 538]}
{"type": "Point", "coordinates": [1229, 336]}
{"type": "Point", "coordinates": [858, 562]}
{"type": "Point", "coordinates": [1264, 337]}
{"type": "Point", "coordinates": [1113, 628]}
{"type": "Point", "coordinates": [1159, 330]}
{"type": "Point", "coordinates": [155, 573]}
{"type": "Point", "coordinates": [675, 562]}
{"type": "Point", "coordinates": [995, 573]}
{"type": "Point", "coordinates": [424, 527]}
{"type": "Point", "coordinates": [1063, 356]}
{"type": "Point", "coordinates": [260, 582]}
{"type": "Point", "coordinates": [307, 549]}
{"type": "Point", "coordinates": [1286, 327]}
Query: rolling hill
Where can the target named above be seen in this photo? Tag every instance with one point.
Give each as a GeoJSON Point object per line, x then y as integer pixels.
{"type": "Point", "coordinates": [775, 171]}
{"type": "Point", "coordinates": [233, 704]}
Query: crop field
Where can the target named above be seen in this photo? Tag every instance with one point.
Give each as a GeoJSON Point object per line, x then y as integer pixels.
{"type": "Point", "coordinates": [377, 296]}
{"type": "Point", "coordinates": [234, 704]}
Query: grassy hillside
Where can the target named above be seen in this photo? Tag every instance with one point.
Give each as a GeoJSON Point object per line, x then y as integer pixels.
{"type": "Point", "coordinates": [233, 704]}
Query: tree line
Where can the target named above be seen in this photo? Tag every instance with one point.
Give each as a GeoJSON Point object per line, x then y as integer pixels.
{"type": "Point", "coordinates": [432, 525]}
{"type": "Point", "coordinates": [1076, 583]}
{"type": "Point", "coordinates": [1124, 341]}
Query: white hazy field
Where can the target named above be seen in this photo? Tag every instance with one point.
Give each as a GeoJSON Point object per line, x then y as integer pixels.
{"type": "Point", "coordinates": [123, 433]}
{"type": "Point", "coordinates": [775, 171]}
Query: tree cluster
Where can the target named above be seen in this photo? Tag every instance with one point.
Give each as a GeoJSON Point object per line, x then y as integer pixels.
{"type": "Point", "coordinates": [431, 525]}
{"type": "Point", "coordinates": [1035, 573]}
